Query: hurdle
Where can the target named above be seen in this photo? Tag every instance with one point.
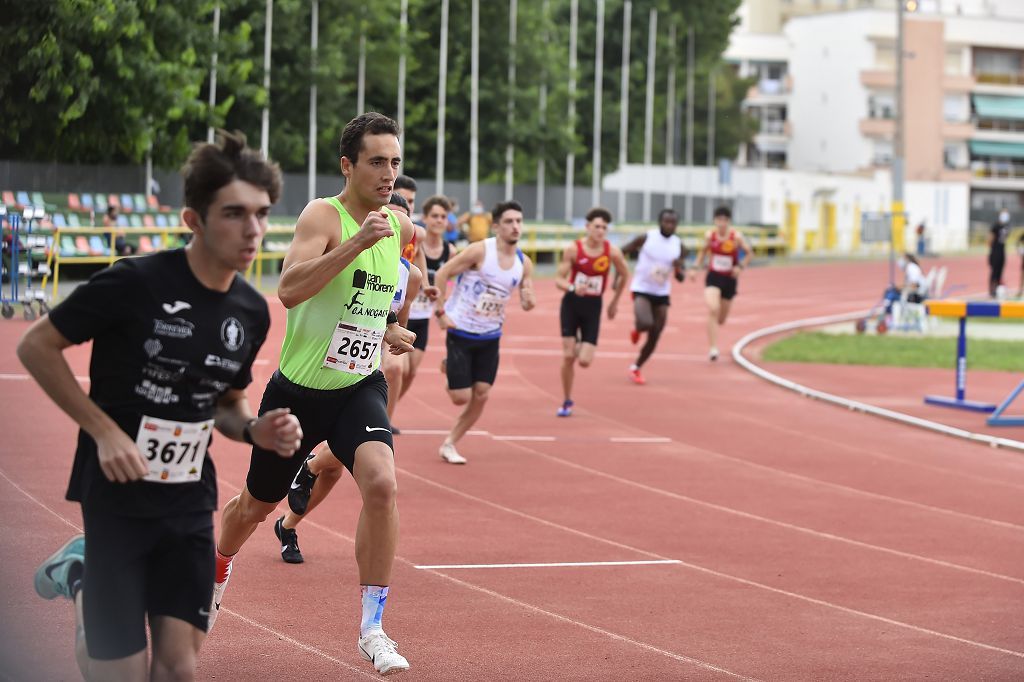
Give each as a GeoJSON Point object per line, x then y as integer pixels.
{"type": "Point", "coordinates": [963, 310]}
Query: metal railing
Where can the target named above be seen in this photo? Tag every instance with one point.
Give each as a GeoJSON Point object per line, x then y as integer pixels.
{"type": "Point", "coordinates": [1000, 78]}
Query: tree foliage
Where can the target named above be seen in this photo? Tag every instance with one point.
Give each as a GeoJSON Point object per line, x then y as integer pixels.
{"type": "Point", "coordinates": [102, 80]}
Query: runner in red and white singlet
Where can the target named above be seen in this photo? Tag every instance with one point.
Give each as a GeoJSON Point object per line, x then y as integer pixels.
{"type": "Point", "coordinates": [722, 248]}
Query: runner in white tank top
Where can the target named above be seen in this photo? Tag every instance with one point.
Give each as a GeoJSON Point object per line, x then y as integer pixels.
{"type": "Point", "coordinates": [488, 272]}
{"type": "Point", "coordinates": [661, 257]}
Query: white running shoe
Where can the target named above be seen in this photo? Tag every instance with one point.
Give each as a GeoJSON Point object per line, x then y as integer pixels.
{"type": "Point", "coordinates": [450, 454]}
{"type": "Point", "coordinates": [713, 354]}
{"type": "Point", "coordinates": [218, 597]}
{"type": "Point", "coordinates": [382, 651]}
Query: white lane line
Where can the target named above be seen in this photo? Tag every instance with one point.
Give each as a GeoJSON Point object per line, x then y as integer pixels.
{"type": "Point", "coordinates": [568, 564]}
{"type": "Point", "coordinates": [37, 501]}
{"type": "Point", "coordinates": [438, 432]}
{"type": "Point", "coordinates": [639, 439]}
{"type": "Point", "coordinates": [710, 571]}
{"type": "Point", "coordinates": [543, 439]}
{"type": "Point", "coordinates": [25, 377]}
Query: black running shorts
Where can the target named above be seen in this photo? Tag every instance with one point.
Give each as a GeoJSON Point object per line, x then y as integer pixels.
{"type": "Point", "coordinates": [655, 300]}
{"type": "Point", "coordinates": [136, 566]}
{"type": "Point", "coordinates": [345, 418]}
{"type": "Point", "coordinates": [725, 283]}
{"type": "Point", "coordinates": [471, 361]}
{"type": "Point", "coordinates": [421, 328]}
{"type": "Point", "coordinates": [582, 314]}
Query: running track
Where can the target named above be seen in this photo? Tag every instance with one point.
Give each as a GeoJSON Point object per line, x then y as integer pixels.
{"type": "Point", "coordinates": [807, 542]}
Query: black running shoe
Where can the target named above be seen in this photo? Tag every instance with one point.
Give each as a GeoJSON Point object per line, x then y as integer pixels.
{"type": "Point", "coordinates": [289, 538]}
{"type": "Point", "coordinates": [395, 431]}
{"type": "Point", "coordinates": [301, 488]}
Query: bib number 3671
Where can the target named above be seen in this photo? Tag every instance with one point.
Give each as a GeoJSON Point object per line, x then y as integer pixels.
{"type": "Point", "coordinates": [174, 451]}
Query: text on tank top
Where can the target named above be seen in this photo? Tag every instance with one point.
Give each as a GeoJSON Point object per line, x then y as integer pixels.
{"type": "Point", "coordinates": [656, 264]}
{"type": "Point", "coordinates": [477, 306]}
{"type": "Point", "coordinates": [590, 273]}
{"type": "Point", "coordinates": [724, 252]}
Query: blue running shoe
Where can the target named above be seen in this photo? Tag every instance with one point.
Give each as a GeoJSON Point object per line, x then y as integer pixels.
{"type": "Point", "coordinates": [566, 409]}
{"type": "Point", "coordinates": [51, 577]}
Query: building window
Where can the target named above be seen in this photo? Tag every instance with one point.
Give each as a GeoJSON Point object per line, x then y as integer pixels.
{"type": "Point", "coordinates": [882, 105]}
{"type": "Point", "coordinates": [954, 61]}
{"type": "Point", "coordinates": [955, 108]}
{"type": "Point", "coordinates": [954, 156]}
{"type": "Point", "coordinates": [882, 153]}
{"type": "Point", "coordinates": [885, 57]}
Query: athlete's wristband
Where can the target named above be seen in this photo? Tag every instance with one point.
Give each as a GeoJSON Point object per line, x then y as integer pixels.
{"type": "Point", "coordinates": [392, 317]}
{"type": "Point", "coordinates": [247, 431]}
{"type": "Point", "coordinates": [571, 289]}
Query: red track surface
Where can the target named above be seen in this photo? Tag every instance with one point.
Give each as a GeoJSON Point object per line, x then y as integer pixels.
{"type": "Point", "coordinates": [814, 543]}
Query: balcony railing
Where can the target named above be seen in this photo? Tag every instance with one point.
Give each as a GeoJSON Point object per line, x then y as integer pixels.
{"type": "Point", "coordinates": [773, 127]}
{"type": "Point", "coordinates": [1000, 78]}
{"type": "Point", "coordinates": [1007, 169]}
{"type": "Point", "coordinates": [1000, 125]}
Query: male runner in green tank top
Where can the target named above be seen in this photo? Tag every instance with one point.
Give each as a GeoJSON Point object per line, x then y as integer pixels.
{"type": "Point", "coordinates": [338, 279]}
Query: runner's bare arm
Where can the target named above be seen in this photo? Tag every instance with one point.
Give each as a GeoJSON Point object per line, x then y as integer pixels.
{"type": "Point", "coordinates": [277, 430]}
{"type": "Point", "coordinates": [471, 257]}
{"type": "Point", "coordinates": [527, 297]}
{"type": "Point", "coordinates": [702, 254]}
{"type": "Point", "coordinates": [41, 351]}
{"type": "Point", "coordinates": [619, 283]}
{"type": "Point", "coordinates": [632, 247]}
{"type": "Point", "coordinates": [408, 227]}
{"type": "Point", "coordinates": [748, 250]}
{"type": "Point", "coordinates": [565, 269]}
{"type": "Point", "coordinates": [420, 261]}
{"type": "Point", "coordinates": [679, 264]}
{"type": "Point", "coordinates": [312, 261]}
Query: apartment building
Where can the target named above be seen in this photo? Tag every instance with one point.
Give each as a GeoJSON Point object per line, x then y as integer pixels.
{"type": "Point", "coordinates": [826, 88]}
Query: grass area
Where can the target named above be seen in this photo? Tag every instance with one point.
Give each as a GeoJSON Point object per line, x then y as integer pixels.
{"type": "Point", "coordinates": [894, 351]}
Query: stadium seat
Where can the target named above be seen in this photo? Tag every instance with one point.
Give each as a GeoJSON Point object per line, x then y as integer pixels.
{"type": "Point", "coordinates": [59, 220]}
{"type": "Point", "coordinates": [122, 220]}
{"type": "Point", "coordinates": [145, 244]}
{"type": "Point", "coordinates": [101, 203]}
{"type": "Point", "coordinates": [147, 221]}
{"type": "Point", "coordinates": [23, 199]}
{"type": "Point", "coordinates": [139, 201]}
{"type": "Point", "coordinates": [82, 245]}
{"type": "Point", "coordinates": [87, 203]}
{"type": "Point", "coordinates": [73, 220]}
{"type": "Point", "coordinates": [127, 204]}
{"type": "Point", "coordinates": [97, 247]}
{"type": "Point", "coordinates": [153, 203]}
{"type": "Point", "coordinates": [112, 200]}
{"type": "Point", "coordinates": [161, 220]}
{"type": "Point", "coordinates": [9, 199]}
{"type": "Point", "coordinates": [74, 203]}
{"type": "Point", "coordinates": [38, 200]}
{"type": "Point", "coordinates": [158, 242]}
{"type": "Point", "coordinates": [135, 220]}
{"type": "Point", "coordinates": [67, 246]}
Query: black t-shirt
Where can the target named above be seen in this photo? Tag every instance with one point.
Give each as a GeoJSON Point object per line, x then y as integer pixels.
{"type": "Point", "coordinates": [1000, 233]}
{"type": "Point", "coordinates": [164, 346]}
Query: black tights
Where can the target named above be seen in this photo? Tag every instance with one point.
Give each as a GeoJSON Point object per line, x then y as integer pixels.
{"type": "Point", "coordinates": [651, 319]}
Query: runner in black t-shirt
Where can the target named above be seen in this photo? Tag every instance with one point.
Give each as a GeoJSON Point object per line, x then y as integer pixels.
{"type": "Point", "coordinates": [174, 337]}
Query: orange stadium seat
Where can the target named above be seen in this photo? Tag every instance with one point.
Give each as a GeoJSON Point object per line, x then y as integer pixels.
{"type": "Point", "coordinates": [8, 198]}
{"type": "Point", "coordinates": [152, 202]}
{"type": "Point", "coordinates": [73, 202]}
{"type": "Point", "coordinates": [146, 244]}
{"type": "Point", "coordinates": [147, 221]}
{"type": "Point", "coordinates": [112, 200]}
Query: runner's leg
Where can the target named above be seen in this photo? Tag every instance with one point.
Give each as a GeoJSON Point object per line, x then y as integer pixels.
{"type": "Point", "coordinates": [377, 530]}
{"type": "Point", "coordinates": [176, 647]}
{"type": "Point", "coordinates": [239, 520]}
{"type": "Point", "coordinates": [568, 363]}
{"type": "Point", "coordinates": [714, 302]}
{"type": "Point", "coordinates": [394, 367]}
{"type": "Point", "coordinates": [410, 371]}
{"type": "Point", "coordinates": [474, 400]}
{"type": "Point", "coordinates": [660, 317]}
{"type": "Point", "coordinates": [644, 313]}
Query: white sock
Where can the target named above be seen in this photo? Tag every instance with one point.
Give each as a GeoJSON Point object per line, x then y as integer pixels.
{"type": "Point", "coordinates": [374, 597]}
{"type": "Point", "coordinates": [633, 368]}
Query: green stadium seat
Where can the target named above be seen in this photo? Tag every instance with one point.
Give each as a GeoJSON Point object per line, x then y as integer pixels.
{"type": "Point", "coordinates": [139, 202]}
{"type": "Point", "coordinates": [37, 199]}
{"type": "Point", "coordinates": [135, 220]}
{"type": "Point", "coordinates": [101, 203]}
{"type": "Point", "coordinates": [73, 220]}
{"type": "Point", "coordinates": [67, 246]}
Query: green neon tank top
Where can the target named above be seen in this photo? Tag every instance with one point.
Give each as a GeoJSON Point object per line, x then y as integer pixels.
{"type": "Point", "coordinates": [359, 294]}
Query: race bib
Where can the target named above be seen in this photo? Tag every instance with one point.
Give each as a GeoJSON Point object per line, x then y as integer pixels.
{"type": "Point", "coordinates": [353, 348]}
{"type": "Point", "coordinates": [721, 263]}
{"type": "Point", "coordinates": [421, 306]}
{"type": "Point", "coordinates": [489, 305]}
{"type": "Point", "coordinates": [659, 274]}
{"type": "Point", "coordinates": [587, 285]}
{"type": "Point", "coordinates": [175, 451]}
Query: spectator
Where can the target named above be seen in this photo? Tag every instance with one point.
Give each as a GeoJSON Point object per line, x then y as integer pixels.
{"type": "Point", "coordinates": [997, 252]}
{"type": "Point", "coordinates": [121, 246]}
{"type": "Point", "coordinates": [452, 234]}
{"type": "Point", "coordinates": [921, 241]}
{"type": "Point", "coordinates": [915, 288]}
{"type": "Point", "coordinates": [476, 224]}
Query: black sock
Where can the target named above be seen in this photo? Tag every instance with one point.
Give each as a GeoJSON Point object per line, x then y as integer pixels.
{"type": "Point", "coordinates": [75, 575]}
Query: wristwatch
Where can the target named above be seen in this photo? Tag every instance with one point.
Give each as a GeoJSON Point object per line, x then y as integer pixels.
{"type": "Point", "coordinates": [439, 312]}
{"type": "Point", "coordinates": [247, 431]}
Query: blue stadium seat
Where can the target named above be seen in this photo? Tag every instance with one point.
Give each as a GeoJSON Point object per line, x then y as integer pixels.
{"type": "Point", "coordinates": [87, 201]}
{"type": "Point", "coordinates": [126, 203]}
{"type": "Point", "coordinates": [97, 245]}
{"type": "Point", "coordinates": [23, 199]}
{"type": "Point", "coordinates": [122, 220]}
{"type": "Point", "coordinates": [59, 221]}
{"type": "Point", "coordinates": [161, 220]}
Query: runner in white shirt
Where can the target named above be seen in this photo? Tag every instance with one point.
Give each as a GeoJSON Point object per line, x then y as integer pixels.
{"type": "Point", "coordinates": [661, 257]}
{"type": "Point", "coordinates": [488, 272]}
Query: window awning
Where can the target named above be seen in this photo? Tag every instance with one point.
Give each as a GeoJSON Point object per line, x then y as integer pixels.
{"type": "Point", "coordinates": [1010, 150]}
{"type": "Point", "coordinates": [994, 106]}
